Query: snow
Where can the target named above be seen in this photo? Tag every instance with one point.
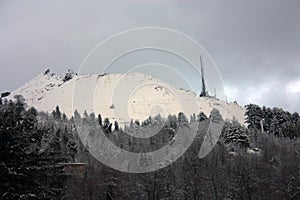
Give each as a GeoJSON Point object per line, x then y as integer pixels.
{"type": "Point", "coordinates": [254, 151]}
{"type": "Point", "coordinates": [133, 96]}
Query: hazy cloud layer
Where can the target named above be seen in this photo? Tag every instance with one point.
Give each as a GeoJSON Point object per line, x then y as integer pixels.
{"type": "Point", "coordinates": [256, 43]}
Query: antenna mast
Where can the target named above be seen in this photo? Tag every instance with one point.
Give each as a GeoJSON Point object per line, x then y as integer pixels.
{"type": "Point", "coordinates": [203, 92]}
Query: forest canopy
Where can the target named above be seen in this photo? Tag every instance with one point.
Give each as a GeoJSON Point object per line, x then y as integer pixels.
{"type": "Point", "coordinates": [39, 151]}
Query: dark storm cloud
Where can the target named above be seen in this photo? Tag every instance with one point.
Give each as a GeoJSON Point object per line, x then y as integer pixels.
{"type": "Point", "coordinates": [256, 43]}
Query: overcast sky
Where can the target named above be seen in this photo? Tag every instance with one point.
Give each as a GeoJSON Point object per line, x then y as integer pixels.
{"type": "Point", "coordinates": [256, 44]}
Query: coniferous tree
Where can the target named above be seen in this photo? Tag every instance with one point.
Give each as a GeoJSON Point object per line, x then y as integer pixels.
{"type": "Point", "coordinates": [147, 122]}
{"type": "Point", "coordinates": [64, 117]}
{"type": "Point", "coordinates": [131, 125]}
{"type": "Point", "coordinates": [158, 119]}
{"type": "Point", "coordinates": [26, 157]}
{"type": "Point", "coordinates": [109, 129]}
{"type": "Point", "coordinates": [57, 113]}
{"type": "Point", "coordinates": [193, 118]}
{"type": "Point", "coordinates": [254, 115]}
{"type": "Point", "coordinates": [107, 126]}
{"type": "Point", "coordinates": [92, 117]}
{"type": "Point", "coordinates": [201, 117]}
{"type": "Point", "coordinates": [85, 115]}
{"type": "Point", "coordinates": [137, 123]}
{"type": "Point", "coordinates": [233, 132]}
{"type": "Point", "coordinates": [77, 115]}
{"type": "Point", "coordinates": [182, 118]}
{"type": "Point", "coordinates": [172, 121]}
{"type": "Point", "coordinates": [116, 126]}
{"type": "Point", "coordinates": [274, 121]}
{"type": "Point", "coordinates": [100, 120]}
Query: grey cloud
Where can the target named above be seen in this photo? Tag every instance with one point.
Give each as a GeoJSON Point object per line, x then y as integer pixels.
{"type": "Point", "coordinates": [253, 42]}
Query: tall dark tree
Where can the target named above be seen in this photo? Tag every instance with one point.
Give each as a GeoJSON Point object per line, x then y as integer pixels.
{"type": "Point", "coordinates": [57, 113]}
{"type": "Point", "coordinates": [233, 132]}
{"type": "Point", "coordinates": [64, 117]}
{"type": "Point", "coordinates": [76, 115]}
{"type": "Point", "coordinates": [137, 123]}
{"type": "Point", "coordinates": [117, 126]}
{"type": "Point", "coordinates": [254, 115]}
{"type": "Point", "coordinates": [182, 118]}
{"type": "Point", "coordinates": [147, 122]}
{"type": "Point", "coordinates": [193, 118]}
{"type": "Point", "coordinates": [201, 117]}
{"type": "Point", "coordinates": [131, 125]}
{"type": "Point", "coordinates": [107, 126]}
{"type": "Point", "coordinates": [172, 121]}
{"type": "Point", "coordinates": [85, 115]}
{"type": "Point", "coordinates": [92, 117]}
{"type": "Point", "coordinates": [100, 120]}
{"type": "Point", "coordinates": [29, 167]}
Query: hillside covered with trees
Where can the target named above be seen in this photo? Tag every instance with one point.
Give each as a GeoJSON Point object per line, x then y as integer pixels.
{"type": "Point", "coordinates": [40, 154]}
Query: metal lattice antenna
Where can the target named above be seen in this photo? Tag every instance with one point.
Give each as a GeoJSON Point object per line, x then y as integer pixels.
{"type": "Point", "coordinates": [203, 92]}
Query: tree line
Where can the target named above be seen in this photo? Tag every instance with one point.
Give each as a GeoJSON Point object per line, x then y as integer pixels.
{"type": "Point", "coordinates": [246, 163]}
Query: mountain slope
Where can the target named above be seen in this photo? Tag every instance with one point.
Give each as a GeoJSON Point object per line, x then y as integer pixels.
{"type": "Point", "coordinates": [119, 97]}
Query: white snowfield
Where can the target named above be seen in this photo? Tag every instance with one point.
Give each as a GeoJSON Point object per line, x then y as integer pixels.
{"type": "Point", "coordinates": [120, 97]}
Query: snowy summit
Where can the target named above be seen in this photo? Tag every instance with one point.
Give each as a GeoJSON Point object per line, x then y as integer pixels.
{"type": "Point", "coordinates": [120, 97]}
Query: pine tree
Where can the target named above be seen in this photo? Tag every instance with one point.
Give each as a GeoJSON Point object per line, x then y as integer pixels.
{"type": "Point", "coordinates": [254, 115]}
{"type": "Point", "coordinates": [100, 120]}
{"type": "Point", "coordinates": [233, 132]}
{"type": "Point", "coordinates": [116, 126]}
{"type": "Point", "coordinates": [107, 126]}
{"type": "Point", "coordinates": [29, 167]}
{"type": "Point", "coordinates": [182, 118]}
{"type": "Point", "coordinates": [92, 117]}
{"type": "Point", "coordinates": [56, 113]}
{"type": "Point", "coordinates": [201, 117]}
{"type": "Point", "coordinates": [158, 119]}
{"type": "Point", "coordinates": [77, 115]}
{"type": "Point", "coordinates": [172, 121]}
{"type": "Point", "coordinates": [109, 129]}
{"type": "Point", "coordinates": [193, 118]}
{"type": "Point", "coordinates": [64, 117]}
{"type": "Point", "coordinates": [147, 122]}
{"type": "Point", "coordinates": [131, 125]}
{"type": "Point", "coordinates": [72, 149]}
{"type": "Point", "coordinates": [137, 123]}
{"type": "Point", "coordinates": [85, 115]}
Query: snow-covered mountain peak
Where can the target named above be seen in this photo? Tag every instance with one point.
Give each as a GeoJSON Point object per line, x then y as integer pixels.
{"type": "Point", "coordinates": [120, 97]}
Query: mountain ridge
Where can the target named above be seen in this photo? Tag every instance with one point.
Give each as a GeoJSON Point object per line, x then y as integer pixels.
{"type": "Point", "coordinates": [110, 95]}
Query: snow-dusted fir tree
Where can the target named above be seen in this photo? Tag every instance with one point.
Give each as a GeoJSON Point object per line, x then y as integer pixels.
{"type": "Point", "coordinates": [29, 167]}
